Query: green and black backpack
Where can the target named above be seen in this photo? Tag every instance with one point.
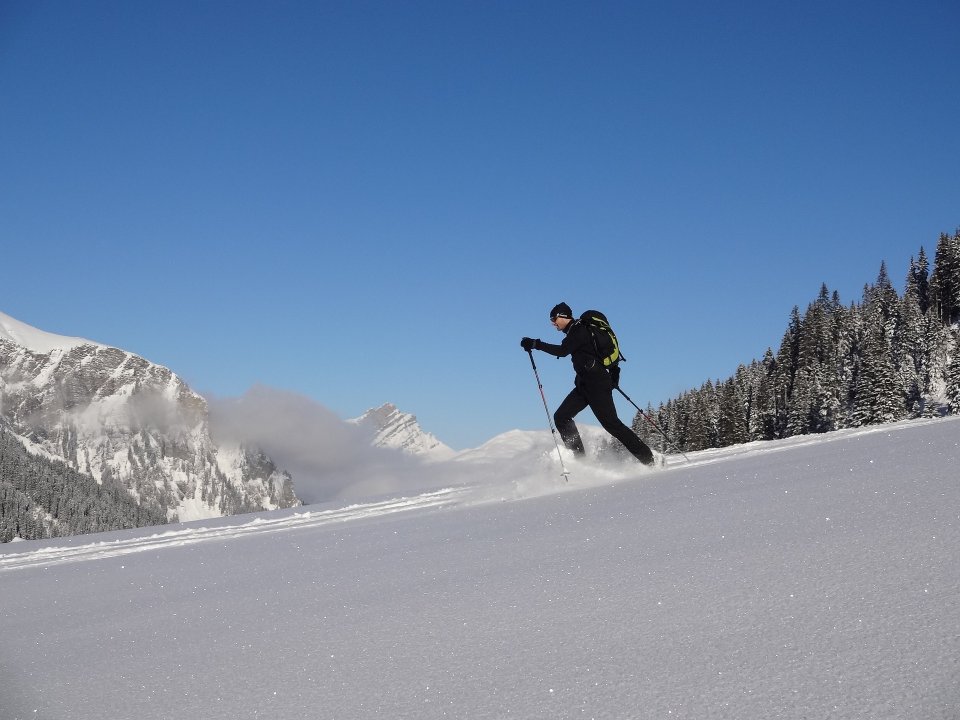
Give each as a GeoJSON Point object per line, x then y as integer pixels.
{"type": "Point", "coordinates": [604, 339]}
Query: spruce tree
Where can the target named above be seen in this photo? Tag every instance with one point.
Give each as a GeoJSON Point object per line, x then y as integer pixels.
{"type": "Point", "coordinates": [883, 297]}
{"type": "Point", "coordinates": [744, 400]}
{"type": "Point", "coordinates": [952, 377]}
{"type": "Point", "coordinates": [919, 279]}
{"type": "Point", "coordinates": [878, 398]}
{"type": "Point", "coordinates": [763, 421]}
{"type": "Point", "coordinates": [801, 405]}
{"type": "Point", "coordinates": [945, 280]}
{"type": "Point", "coordinates": [912, 353]}
{"type": "Point", "coordinates": [732, 424]}
{"type": "Point", "coordinates": [788, 360]}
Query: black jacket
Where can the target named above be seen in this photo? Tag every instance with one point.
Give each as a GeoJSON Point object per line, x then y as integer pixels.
{"type": "Point", "coordinates": [578, 343]}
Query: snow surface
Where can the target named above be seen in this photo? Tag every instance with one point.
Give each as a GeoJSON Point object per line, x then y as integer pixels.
{"type": "Point", "coordinates": [35, 340]}
{"type": "Point", "coordinates": [816, 577]}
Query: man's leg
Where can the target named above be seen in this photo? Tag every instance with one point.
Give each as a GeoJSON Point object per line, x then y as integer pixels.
{"type": "Point", "coordinates": [601, 402]}
{"type": "Point", "coordinates": [563, 417]}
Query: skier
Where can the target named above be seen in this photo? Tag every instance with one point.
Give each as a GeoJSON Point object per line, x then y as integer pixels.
{"type": "Point", "coordinates": [593, 386]}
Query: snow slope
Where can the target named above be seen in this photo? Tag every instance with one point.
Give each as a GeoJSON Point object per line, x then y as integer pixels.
{"type": "Point", "coordinates": [35, 340]}
{"type": "Point", "coordinates": [811, 578]}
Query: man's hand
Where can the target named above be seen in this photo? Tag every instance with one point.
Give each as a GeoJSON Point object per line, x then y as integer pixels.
{"type": "Point", "coordinates": [615, 376]}
{"type": "Point", "coordinates": [529, 344]}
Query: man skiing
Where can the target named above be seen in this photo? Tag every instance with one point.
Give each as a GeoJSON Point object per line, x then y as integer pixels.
{"type": "Point", "coordinates": [593, 385]}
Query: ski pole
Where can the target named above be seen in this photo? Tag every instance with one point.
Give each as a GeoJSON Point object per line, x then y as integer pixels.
{"type": "Point", "coordinates": [650, 420]}
{"type": "Point", "coordinates": [553, 430]}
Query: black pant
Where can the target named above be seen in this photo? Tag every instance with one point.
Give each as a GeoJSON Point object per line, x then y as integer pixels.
{"type": "Point", "coordinates": [595, 391]}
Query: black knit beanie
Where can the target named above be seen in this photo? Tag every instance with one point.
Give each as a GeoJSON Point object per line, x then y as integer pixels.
{"type": "Point", "coordinates": [561, 310]}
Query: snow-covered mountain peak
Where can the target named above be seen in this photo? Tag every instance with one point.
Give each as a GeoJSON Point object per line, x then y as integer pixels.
{"type": "Point", "coordinates": [36, 340]}
{"type": "Point", "coordinates": [391, 428]}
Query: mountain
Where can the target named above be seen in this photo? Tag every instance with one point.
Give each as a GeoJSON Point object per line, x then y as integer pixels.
{"type": "Point", "coordinates": [120, 419]}
{"type": "Point", "coordinates": [388, 427]}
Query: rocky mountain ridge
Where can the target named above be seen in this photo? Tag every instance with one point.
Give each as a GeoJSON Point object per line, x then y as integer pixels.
{"type": "Point", "coordinates": [389, 427]}
{"type": "Point", "coordinates": [117, 417]}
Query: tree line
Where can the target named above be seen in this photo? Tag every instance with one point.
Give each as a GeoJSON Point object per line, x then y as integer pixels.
{"type": "Point", "coordinates": [44, 498]}
{"type": "Point", "coordinates": [889, 357]}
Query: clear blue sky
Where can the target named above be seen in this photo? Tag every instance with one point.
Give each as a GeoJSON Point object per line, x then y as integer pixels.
{"type": "Point", "coordinates": [373, 201]}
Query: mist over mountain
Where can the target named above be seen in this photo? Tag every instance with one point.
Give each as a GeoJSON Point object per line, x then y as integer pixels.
{"type": "Point", "coordinates": [327, 456]}
{"type": "Point", "coordinates": [133, 426]}
{"type": "Point", "coordinates": [120, 419]}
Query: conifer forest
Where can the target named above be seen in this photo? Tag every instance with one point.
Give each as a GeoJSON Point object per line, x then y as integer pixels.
{"type": "Point", "coordinates": [41, 498]}
{"type": "Point", "coordinates": [886, 358]}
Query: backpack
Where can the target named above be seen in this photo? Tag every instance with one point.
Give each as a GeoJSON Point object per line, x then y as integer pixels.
{"type": "Point", "coordinates": [604, 339]}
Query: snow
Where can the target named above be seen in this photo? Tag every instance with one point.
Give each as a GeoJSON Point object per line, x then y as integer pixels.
{"type": "Point", "coordinates": [810, 578]}
{"type": "Point", "coordinates": [38, 341]}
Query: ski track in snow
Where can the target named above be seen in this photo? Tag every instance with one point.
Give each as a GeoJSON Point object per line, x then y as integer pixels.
{"type": "Point", "coordinates": [527, 485]}
{"type": "Point", "coordinates": [49, 556]}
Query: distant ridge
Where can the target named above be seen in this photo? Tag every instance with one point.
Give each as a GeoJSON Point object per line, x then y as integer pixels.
{"type": "Point", "coordinates": [388, 427]}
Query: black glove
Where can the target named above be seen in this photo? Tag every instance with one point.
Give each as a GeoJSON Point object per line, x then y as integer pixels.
{"type": "Point", "coordinates": [529, 344]}
{"type": "Point", "coordinates": [615, 376]}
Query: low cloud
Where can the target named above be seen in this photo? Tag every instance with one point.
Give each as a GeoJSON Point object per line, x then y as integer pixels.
{"type": "Point", "coordinates": [327, 457]}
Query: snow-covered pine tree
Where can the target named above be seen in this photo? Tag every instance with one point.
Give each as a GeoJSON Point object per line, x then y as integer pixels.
{"type": "Point", "coordinates": [818, 362]}
{"type": "Point", "coordinates": [744, 391]}
{"type": "Point", "coordinates": [878, 397]}
{"type": "Point", "coordinates": [885, 300]}
{"type": "Point", "coordinates": [763, 419]}
{"type": "Point", "coordinates": [952, 375]}
{"type": "Point", "coordinates": [732, 423]}
{"type": "Point", "coordinates": [945, 280]}
{"type": "Point", "coordinates": [788, 363]}
{"type": "Point", "coordinates": [919, 278]}
{"type": "Point", "coordinates": [911, 352]}
{"type": "Point", "coordinates": [701, 430]}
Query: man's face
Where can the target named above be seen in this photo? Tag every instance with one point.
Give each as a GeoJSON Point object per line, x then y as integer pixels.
{"type": "Point", "coordinates": [560, 323]}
